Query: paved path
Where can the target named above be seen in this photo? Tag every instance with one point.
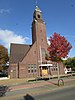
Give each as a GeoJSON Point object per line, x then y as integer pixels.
{"type": "Point", "coordinates": [52, 82]}
{"type": "Point", "coordinates": [30, 85]}
{"type": "Point", "coordinates": [33, 88]}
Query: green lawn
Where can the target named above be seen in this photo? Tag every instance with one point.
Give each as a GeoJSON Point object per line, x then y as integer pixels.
{"type": "Point", "coordinates": [12, 81]}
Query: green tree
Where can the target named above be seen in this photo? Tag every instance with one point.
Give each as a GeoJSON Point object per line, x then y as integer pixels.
{"type": "Point", "coordinates": [70, 62]}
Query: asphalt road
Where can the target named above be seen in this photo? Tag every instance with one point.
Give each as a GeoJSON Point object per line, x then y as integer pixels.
{"type": "Point", "coordinates": [67, 93]}
{"type": "Point", "coordinates": [60, 94]}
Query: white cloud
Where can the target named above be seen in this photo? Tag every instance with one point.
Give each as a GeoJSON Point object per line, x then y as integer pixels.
{"type": "Point", "coordinates": [48, 40]}
{"type": "Point", "coordinates": [7, 37]}
{"type": "Point", "coordinates": [4, 11]}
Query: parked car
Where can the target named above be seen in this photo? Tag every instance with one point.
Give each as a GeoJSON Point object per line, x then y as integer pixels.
{"type": "Point", "coordinates": [3, 74]}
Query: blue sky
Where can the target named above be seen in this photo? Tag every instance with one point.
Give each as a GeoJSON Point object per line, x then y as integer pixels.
{"type": "Point", "coordinates": [16, 17]}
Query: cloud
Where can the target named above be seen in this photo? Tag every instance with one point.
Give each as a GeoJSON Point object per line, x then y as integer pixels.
{"type": "Point", "coordinates": [48, 40]}
{"type": "Point", "coordinates": [7, 37]}
{"type": "Point", "coordinates": [4, 11]}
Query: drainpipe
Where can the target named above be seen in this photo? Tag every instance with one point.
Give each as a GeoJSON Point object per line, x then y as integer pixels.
{"type": "Point", "coordinates": [18, 70]}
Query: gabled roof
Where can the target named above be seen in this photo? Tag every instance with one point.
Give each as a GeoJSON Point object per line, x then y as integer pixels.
{"type": "Point", "coordinates": [18, 52]}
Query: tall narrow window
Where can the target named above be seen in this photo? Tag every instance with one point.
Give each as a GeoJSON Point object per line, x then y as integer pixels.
{"type": "Point", "coordinates": [29, 68]}
{"type": "Point", "coordinates": [38, 16]}
{"type": "Point", "coordinates": [43, 52]}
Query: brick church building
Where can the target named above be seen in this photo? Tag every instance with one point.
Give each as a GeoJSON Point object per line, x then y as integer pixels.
{"type": "Point", "coordinates": [29, 60]}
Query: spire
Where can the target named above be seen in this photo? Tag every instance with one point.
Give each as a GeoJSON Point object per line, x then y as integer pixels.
{"type": "Point", "coordinates": [37, 8]}
{"type": "Point", "coordinates": [37, 15]}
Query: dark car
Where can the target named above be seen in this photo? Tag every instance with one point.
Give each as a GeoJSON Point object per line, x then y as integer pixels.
{"type": "Point", "coordinates": [3, 74]}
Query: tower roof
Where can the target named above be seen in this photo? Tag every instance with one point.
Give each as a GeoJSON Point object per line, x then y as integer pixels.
{"type": "Point", "coordinates": [37, 9]}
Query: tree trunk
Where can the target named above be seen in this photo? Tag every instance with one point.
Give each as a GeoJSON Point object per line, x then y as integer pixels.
{"type": "Point", "coordinates": [58, 72]}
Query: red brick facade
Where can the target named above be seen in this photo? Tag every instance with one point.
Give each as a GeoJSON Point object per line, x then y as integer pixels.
{"type": "Point", "coordinates": [24, 61]}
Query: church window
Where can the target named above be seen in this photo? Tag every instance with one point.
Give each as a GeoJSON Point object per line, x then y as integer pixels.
{"type": "Point", "coordinates": [34, 65]}
{"type": "Point", "coordinates": [32, 68]}
{"type": "Point", "coordinates": [28, 71]}
{"type": "Point", "coordinates": [38, 16]}
{"type": "Point", "coordinates": [43, 52]}
{"type": "Point", "coordinates": [29, 66]}
{"type": "Point", "coordinates": [31, 71]}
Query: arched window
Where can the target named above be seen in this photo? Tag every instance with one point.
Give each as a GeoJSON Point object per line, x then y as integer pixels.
{"type": "Point", "coordinates": [38, 16]}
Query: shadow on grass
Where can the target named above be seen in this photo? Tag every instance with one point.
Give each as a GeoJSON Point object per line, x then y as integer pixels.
{"type": "Point", "coordinates": [28, 97]}
{"type": "Point", "coordinates": [51, 82]}
{"type": "Point", "coordinates": [59, 83]}
{"type": "Point", "coordinates": [44, 79]}
{"type": "Point", "coordinates": [3, 90]}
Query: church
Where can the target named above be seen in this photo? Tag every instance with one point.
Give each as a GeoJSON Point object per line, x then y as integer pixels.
{"type": "Point", "coordinates": [28, 61]}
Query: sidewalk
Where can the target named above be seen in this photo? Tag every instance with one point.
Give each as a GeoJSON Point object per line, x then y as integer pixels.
{"type": "Point", "coordinates": [30, 85]}
{"type": "Point", "coordinates": [35, 84]}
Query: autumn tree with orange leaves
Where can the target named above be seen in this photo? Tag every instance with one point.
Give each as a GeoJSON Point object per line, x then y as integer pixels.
{"type": "Point", "coordinates": [59, 47]}
{"type": "Point", "coordinates": [3, 55]}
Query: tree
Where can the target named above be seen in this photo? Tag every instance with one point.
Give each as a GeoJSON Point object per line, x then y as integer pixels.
{"type": "Point", "coordinates": [70, 62]}
{"type": "Point", "coordinates": [59, 48]}
{"type": "Point", "coordinates": [3, 55]}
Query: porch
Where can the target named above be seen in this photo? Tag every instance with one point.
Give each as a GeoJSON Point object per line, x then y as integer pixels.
{"type": "Point", "coordinates": [45, 71]}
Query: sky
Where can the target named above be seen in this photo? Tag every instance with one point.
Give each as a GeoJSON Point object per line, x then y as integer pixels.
{"type": "Point", "coordinates": [16, 18]}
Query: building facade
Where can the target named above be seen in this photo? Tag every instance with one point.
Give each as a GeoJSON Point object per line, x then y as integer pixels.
{"type": "Point", "coordinates": [29, 60]}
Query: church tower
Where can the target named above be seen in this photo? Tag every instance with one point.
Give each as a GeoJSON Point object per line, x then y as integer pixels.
{"type": "Point", "coordinates": [39, 34]}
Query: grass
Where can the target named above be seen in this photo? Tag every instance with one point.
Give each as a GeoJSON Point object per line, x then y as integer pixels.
{"type": "Point", "coordinates": [9, 82]}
